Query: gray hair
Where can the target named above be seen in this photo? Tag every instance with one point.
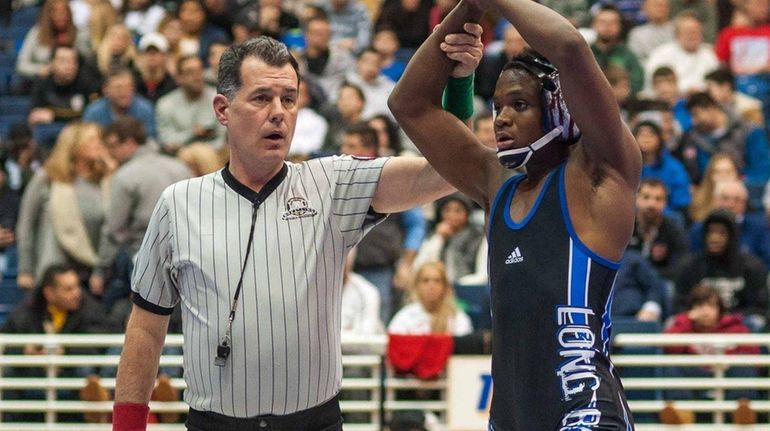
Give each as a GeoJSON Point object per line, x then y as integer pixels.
{"type": "Point", "coordinates": [267, 49]}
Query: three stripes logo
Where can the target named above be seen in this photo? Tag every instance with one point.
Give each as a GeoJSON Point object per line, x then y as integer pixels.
{"type": "Point", "coordinates": [515, 257]}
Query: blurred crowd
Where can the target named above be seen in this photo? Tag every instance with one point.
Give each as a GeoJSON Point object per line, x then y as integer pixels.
{"type": "Point", "coordinates": [119, 107]}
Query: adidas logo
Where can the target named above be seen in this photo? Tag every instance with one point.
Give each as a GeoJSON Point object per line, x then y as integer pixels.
{"type": "Point", "coordinates": [515, 257]}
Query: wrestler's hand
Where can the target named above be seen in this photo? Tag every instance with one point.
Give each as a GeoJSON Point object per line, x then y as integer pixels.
{"type": "Point", "coordinates": [465, 48]}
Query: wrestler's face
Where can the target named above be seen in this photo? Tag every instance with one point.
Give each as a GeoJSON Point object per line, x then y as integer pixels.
{"type": "Point", "coordinates": [261, 116]}
{"type": "Point", "coordinates": [517, 110]}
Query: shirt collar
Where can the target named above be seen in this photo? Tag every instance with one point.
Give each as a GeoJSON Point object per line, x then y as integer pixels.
{"type": "Point", "coordinates": [246, 192]}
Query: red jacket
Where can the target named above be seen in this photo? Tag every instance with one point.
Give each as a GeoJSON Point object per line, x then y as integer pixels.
{"type": "Point", "coordinates": [728, 324]}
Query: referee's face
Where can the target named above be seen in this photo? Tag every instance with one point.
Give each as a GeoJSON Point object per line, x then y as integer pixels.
{"type": "Point", "coordinates": [260, 119]}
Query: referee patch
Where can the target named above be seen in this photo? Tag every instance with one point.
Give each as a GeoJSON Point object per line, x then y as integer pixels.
{"type": "Point", "coordinates": [297, 207]}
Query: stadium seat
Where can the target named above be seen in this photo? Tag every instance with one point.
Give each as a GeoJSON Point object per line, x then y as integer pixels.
{"type": "Point", "coordinates": [15, 105]}
{"type": "Point", "coordinates": [474, 300]}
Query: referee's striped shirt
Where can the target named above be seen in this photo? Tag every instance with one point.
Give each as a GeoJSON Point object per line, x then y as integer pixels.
{"type": "Point", "coordinates": [286, 334]}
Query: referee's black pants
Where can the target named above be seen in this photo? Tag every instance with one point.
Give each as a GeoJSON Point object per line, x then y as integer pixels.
{"type": "Point", "coordinates": [326, 417]}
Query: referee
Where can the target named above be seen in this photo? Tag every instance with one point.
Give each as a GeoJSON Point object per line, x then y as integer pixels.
{"type": "Point", "coordinates": [255, 254]}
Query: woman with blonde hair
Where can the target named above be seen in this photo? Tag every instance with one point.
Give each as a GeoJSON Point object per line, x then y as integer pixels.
{"type": "Point", "coordinates": [54, 27]}
{"type": "Point", "coordinates": [721, 166]}
{"type": "Point", "coordinates": [102, 18]}
{"type": "Point", "coordinates": [433, 310]}
{"type": "Point", "coordinates": [116, 50]}
{"type": "Point", "coordinates": [64, 205]}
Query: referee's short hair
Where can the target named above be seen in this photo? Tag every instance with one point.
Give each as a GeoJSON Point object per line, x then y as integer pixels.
{"type": "Point", "coordinates": [267, 49]}
{"type": "Point", "coordinates": [127, 127]}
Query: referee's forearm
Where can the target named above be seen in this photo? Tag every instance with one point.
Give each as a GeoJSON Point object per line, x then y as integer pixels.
{"type": "Point", "coordinates": [140, 358]}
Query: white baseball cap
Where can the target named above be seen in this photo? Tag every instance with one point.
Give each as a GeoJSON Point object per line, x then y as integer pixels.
{"type": "Point", "coordinates": [156, 40]}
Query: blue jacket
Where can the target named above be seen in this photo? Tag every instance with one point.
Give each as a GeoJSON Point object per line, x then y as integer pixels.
{"type": "Point", "coordinates": [99, 111]}
{"type": "Point", "coordinates": [673, 174]}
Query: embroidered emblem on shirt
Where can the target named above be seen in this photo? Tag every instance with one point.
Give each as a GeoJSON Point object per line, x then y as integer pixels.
{"type": "Point", "coordinates": [297, 207]}
{"type": "Point", "coordinates": [515, 257]}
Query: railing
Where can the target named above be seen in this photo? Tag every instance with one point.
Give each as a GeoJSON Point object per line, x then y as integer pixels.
{"type": "Point", "coordinates": [365, 370]}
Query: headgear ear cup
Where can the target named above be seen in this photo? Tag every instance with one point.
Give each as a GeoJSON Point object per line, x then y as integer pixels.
{"type": "Point", "coordinates": [557, 114]}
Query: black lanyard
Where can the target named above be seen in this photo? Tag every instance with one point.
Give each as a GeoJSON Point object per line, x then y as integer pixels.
{"type": "Point", "coordinates": [223, 349]}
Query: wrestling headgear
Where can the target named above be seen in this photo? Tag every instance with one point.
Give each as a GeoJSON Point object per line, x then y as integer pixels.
{"type": "Point", "coordinates": [557, 123]}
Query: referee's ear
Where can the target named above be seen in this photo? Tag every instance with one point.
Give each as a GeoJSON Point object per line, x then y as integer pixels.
{"type": "Point", "coordinates": [220, 108]}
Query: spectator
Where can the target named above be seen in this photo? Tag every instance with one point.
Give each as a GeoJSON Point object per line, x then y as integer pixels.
{"type": "Point", "coordinates": [93, 18]}
{"type": "Point", "coordinates": [705, 11]}
{"type": "Point", "coordinates": [658, 30]}
{"type": "Point", "coordinates": [753, 229]}
{"type": "Point", "coordinates": [21, 157]}
{"type": "Point", "coordinates": [714, 131]}
{"type": "Point", "coordinates": [740, 278]}
{"type": "Point", "coordinates": [326, 63]}
{"type": "Point", "coordinates": [659, 163]}
{"type": "Point", "coordinates": [116, 51]}
{"type": "Point", "coordinates": [386, 43]}
{"type": "Point", "coordinates": [311, 126]}
{"type": "Point", "coordinates": [609, 48]}
{"type": "Point", "coordinates": [246, 24]}
{"type": "Point", "coordinates": [360, 303]}
{"type": "Point", "coordinates": [384, 256]}
{"type": "Point", "coordinates": [484, 128]}
{"type": "Point", "coordinates": [196, 33]}
{"type": "Point", "coordinates": [576, 11]}
{"type": "Point", "coordinates": [9, 214]}
{"type": "Point", "coordinates": [720, 85]}
{"type": "Point", "coordinates": [56, 306]}
{"type": "Point", "coordinates": [142, 17]}
{"type": "Point", "coordinates": [409, 20]}
{"type": "Point", "coordinates": [120, 100]}
{"type": "Point", "coordinates": [200, 158]}
{"type": "Point", "coordinates": [454, 241]}
{"type": "Point", "coordinates": [54, 27]}
{"type": "Point", "coordinates": [63, 208]}
{"type": "Point", "coordinates": [658, 237]}
{"type": "Point", "coordinates": [390, 137]}
{"type": "Point", "coordinates": [64, 93]}
{"type": "Point", "coordinates": [492, 63]}
{"type": "Point", "coordinates": [433, 310]}
{"type": "Point", "coordinates": [151, 75]}
{"type": "Point", "coordinates": [665, 87]}
{"type": "Point", "coordinates": [347, 111]}
{"type": "Point", "coordinates": [620, 82]}
{"type": "Point", "coordinates": [721, 167]}
{"type": "Point", "coordinates": [351, 27]}
{"type": "Point", "coordinates": [688, 56]}
{"type": "Point", "coordinates": [373, 83]}
{"type": "Point", "coordinates": [660, 112]}
{"type": "Point", "coordinates": [439, 11]}
{"type": "Point", "coordinates": [706, 313]}
{"type": "Point", "coordinates": [184, 115]}
{"type": "Point", "coordinates": [136, 187]}
{"type": "Point", "coordinates": [171, 29]}
{"type": "Point", "coordinates": [216, 50]}
{"type": "Point", "coordinates": [743, 48]}
{"type": "Point", "coordinates": [221, 14]}
{"type": "Point", "coordinates": [640, 293]}
{"type": "Point", "coordinates": [274, 20]}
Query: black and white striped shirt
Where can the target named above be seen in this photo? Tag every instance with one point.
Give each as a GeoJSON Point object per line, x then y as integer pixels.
{"type": "Point", "coordinates": [286, 334]}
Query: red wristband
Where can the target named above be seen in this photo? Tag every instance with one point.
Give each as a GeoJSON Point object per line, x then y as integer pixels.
{"type": "Point", "coordinates": [129, 416]}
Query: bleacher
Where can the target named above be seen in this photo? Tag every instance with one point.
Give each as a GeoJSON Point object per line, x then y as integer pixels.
{"type": "Point", "coordinates": [381, 381]}
{"type": "Point", "coordinates": [13, 108]}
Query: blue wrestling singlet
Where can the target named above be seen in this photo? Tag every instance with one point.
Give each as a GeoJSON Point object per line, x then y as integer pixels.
{"type": "Point", "coordinates": [551, 300]}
